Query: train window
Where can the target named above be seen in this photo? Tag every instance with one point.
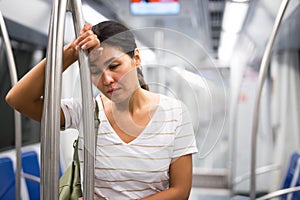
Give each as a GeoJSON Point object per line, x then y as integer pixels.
{"type": "Point", "coordinates": [154, 7]}
{"type": "Point", "coordinates": [25, 56]}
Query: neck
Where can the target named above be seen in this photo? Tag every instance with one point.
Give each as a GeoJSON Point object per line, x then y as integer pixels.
{"type": "Point", "coordinates": [135, 102]}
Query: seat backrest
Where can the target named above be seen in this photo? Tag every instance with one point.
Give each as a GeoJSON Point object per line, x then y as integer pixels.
{"type": "Point", "coordinates": [292, 178]}
{"type": "Point", "coordinates": [7, 180]}
{"type": "Point", "coordinates": [30, 165]}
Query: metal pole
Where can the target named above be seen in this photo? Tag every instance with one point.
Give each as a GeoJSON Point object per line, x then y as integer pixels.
{"type": "Point", "coordinates": [51, 112]}
{"type": "Point", "coordinates": [17, 115]}
{"type": "Point", "coordinates": [87, 107]}
{"type": "Point", "coordinates": [52, 97]}
{"type": "Point", "coordinates": [262, 76]}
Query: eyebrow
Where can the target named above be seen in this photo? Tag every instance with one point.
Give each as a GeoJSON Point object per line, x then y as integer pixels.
{"type": "Point", "coordinates": [108, 61]}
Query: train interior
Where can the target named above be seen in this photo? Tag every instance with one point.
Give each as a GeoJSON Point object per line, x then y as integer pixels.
{"type": "Point", "coordinates": [207, 53]}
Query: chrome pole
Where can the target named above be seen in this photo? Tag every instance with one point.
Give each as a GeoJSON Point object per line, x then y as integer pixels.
{"type": "Point", "coordinates": [87, 106]}
{"type": "Point", "coordinates": [52, 97]}
{"type": "Point", "coordinates": [262, 76]}
{"type": "Point", "coordinates": [51, 113]}
{"type": "Point", "coordinates": [17, 115]}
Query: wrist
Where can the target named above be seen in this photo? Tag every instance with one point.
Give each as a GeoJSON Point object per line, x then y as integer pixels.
{"type": "Point", "coordinates": [70, 55]}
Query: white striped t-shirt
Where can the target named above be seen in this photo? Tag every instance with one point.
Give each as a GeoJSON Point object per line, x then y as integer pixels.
{"type": "Point", "coordinates": [141, 167]}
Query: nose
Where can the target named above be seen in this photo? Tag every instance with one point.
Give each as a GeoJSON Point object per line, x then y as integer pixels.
{"type": "Point", "coordinates": [107, 78]}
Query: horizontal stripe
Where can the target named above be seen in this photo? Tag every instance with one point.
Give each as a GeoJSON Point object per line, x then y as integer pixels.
{"type": "Point", "coordinates": [109, 145]}
{"type": "Point", "coordinates": [152, 146]}
{"type": "Point", "coordinates": [105, 133]}
{"type": "Point", "coordinates": [159, 133]}
{"type": "Point", "coordinates": [136, 157]}
{"type": "Point", "coordinates": [139, 190]}
{"type": "Point", "coordinates": [189, 147]}
{"type": "Point", "coordinates": [183, 112]}
{"type": "Point", "coordinates": [181, 125]}
{"type": "Point", "coordinates": [131, 170]}
{"type": "Point", "coordinates": [131, 180]}
{"type": "Point", "coordinates": [183, 136]}
{"type": "Point", "coordinates": [170, 109]}
{"type": "Point", "coordinates": [166, 121]}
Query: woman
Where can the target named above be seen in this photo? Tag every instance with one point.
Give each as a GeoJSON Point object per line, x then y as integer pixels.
{"type": "Point", "coordinates": [145, 140]}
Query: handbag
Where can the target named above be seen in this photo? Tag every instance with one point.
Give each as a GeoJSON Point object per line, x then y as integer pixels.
{"type": "Point", "coordinates": [69, 182]}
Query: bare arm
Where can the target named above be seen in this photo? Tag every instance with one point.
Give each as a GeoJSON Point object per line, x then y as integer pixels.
{"type": "Point", "coordinates": [27, 95]}
{"type": "Point", "coordinates": [180, 180]}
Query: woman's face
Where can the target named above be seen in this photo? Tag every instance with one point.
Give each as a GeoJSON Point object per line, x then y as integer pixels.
{"type": "Point", "coordinates": [114, 73]}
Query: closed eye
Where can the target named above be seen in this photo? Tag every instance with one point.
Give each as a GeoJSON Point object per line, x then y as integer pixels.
{"type": "Point", "coordinates": [95, 71]}
{"type": "Point", "coordinates": [113, 66]}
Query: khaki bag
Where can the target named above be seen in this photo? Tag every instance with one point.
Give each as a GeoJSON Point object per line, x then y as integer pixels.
{"type": "Point", "coordinates": [69, 182]}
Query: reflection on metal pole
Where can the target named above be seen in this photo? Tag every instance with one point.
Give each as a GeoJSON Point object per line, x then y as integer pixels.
{"type": "Point", "coordinates": [17, 115]}
{"type": "Point", "coordinates": [262, 76]}
{"type": "Point", "coordinates": [51, 113]}
{"type": "Point", "coordinates": [87, 107]}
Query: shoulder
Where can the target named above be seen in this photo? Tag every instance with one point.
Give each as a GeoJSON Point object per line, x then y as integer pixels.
{"type": "Point", "coordinates": [171, 102]}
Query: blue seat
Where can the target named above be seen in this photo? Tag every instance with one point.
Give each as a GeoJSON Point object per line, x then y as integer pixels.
{"type": "Point", "coordinates": [30, 165]}
{"type": "Point", "coordinates": [292, 178]}
{"type": "Point", "coordinates": [7, 180]}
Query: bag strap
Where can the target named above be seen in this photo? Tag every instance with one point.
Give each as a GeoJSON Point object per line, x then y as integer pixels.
{"type": "Point", "coordinates": [96, 118]}
{"type": "Point", "coordinates": [75, 154]}
{"type": "Point", "coordinates": [97, 122]}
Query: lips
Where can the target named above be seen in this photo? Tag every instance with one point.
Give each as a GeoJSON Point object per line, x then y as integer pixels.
{"type": "Point", "coordinates": [111, 91]}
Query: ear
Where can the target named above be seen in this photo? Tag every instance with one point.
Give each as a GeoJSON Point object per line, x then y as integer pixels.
{"type": "Point", "coordinates": [137, 58]}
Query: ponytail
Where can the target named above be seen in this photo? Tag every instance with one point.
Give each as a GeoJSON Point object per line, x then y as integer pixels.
{"type": "Point", "coordinates": [142, 81]}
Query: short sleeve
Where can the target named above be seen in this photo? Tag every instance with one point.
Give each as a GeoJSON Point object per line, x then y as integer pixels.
{"type": "Point", "coordinates": [72, 113]}
{"type": "Point", "coordinates": [184, 141]}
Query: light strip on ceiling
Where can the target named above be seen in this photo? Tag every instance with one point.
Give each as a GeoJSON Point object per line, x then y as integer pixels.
{"type": "Point", "coordinates": [234, 16]}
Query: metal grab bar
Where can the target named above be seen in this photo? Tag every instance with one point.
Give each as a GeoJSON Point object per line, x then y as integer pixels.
{"type": "Point", "coordinates": [52, 97]}
{"type": "Point", "coordinates": [262, 77]}
{"type": "Point", "coordinates": [258, 171]}
{"type": "Point", "coordinates": [31, 177]}
{"type": "Point", "coordinates": [17, 115]}
{"type": "Point", "coordinates": [279, 193]}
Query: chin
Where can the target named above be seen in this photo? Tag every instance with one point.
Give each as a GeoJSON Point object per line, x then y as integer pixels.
{"type": "Point", "coordinates": [119, 97]}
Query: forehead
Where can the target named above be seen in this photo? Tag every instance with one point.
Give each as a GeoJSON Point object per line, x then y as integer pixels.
{"type": "Point", "coordinates": [108, 53]}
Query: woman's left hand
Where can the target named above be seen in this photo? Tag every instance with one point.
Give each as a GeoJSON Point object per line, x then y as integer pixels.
{"type": "Point", "coordinates": [87, 40]}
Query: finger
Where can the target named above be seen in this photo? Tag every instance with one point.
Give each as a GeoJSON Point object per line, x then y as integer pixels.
{"type": "Point", "coordinates": [88, 26]}
{"type": "Point", "coordinates": [85, 28]}
{"type": "Point", "coordinates": [83, 36]}
{"type": "Point", "coordinates": [89, 42]}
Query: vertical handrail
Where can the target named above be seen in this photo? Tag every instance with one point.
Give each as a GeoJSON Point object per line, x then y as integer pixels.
{"type": "Point", "coordinates": [51, 112]}
{"type": "Point", "coordinates": [87, 107]}
{"type": "Point", "coordinates": [261, 79]}
{"type": "Point", "coordinates": [17, 115]}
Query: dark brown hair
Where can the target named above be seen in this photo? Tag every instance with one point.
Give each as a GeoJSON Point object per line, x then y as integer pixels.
{"type": "Point", "coordinates": [117, 35]}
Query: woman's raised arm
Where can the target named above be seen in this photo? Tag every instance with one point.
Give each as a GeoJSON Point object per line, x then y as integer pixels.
{"type": "Point", "coordinates": [27, 95]}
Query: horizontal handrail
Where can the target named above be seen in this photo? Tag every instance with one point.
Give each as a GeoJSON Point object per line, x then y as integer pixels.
{"type": "Point", "coordinates": [279, 193]}
{"type": "Point", "coordinates": [258, 171]}
{"type": "Point", "coordinates": [31, 177]}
